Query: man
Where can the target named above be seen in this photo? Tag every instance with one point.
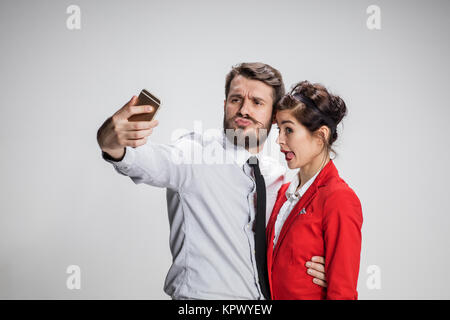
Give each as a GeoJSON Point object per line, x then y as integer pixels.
{"type": "Point", "coordinates": [217, 251]}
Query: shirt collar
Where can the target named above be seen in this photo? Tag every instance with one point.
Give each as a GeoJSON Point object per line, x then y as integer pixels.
{"type": "Point", "coordinates": [238, 153]}
{"type": "Point", "coordinates": [294, 184]}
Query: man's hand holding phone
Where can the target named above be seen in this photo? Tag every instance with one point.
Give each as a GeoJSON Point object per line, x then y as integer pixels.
{"type": "Point", "coordinates": [125, 127]}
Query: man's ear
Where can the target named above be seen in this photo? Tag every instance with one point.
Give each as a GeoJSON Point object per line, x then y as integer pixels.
{"type": "Point", "coordinates": [224, 105]}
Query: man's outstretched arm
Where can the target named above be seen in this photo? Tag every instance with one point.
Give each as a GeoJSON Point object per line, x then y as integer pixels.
{"type": "Point", "coordinates": [154, 164]}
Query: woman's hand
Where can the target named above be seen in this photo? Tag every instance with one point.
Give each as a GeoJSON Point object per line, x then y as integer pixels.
{"type": "Point", "coordinates": [316, 269]}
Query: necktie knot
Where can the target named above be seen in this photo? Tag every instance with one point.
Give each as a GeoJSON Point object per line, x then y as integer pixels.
{"type": "Point", "coordinates": [253, 161]}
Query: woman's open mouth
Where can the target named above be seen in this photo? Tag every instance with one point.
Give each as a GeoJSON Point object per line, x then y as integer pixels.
{"type": "Point", "coordinates": [289, 155]}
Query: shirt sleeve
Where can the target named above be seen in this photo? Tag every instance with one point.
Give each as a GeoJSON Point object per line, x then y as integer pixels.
{"type": "Point", "coordinates": [154, 164]}
{"type": "Point", "coordinates": [342, 234]}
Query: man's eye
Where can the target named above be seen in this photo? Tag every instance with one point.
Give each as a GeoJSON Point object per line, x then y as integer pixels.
{"type": "Point", "coordinates": [234, 100]}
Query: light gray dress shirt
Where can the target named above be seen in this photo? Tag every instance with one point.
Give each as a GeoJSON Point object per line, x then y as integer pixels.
{"type": "Point", "coordinates": [211, 202]}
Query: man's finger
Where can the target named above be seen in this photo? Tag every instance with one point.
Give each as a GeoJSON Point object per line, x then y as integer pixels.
{"type": "Point", "coordinates": [320, 282]}
{"type": "Point", "coordinates": [316, 266]}
{"type": "Point", "coordinates": [316, 274]}
{"type": "Point", "coordinates": [318, 259]}
{"type": "Point", "coordinates": [122, 111]}
{"type": "Point", "coordinates": [136, 143]}
{"type": "Point", "coordinates": [132, 110]}
{"type": "Point", "coordinates": [140, 125]}
{"type": "Point", "coordinates": [133, 101]}
{"type": "Point", "coordinates": [136, 135]}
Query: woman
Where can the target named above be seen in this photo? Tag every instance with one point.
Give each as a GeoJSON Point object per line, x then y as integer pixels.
{"type": "Point", "coordinates": [317, 213]}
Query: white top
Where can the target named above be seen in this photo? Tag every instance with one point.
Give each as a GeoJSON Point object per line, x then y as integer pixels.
{"type": "Point", "coordinates": [292, 199]}
{"type": "Point", "coordinates": [211, 205]}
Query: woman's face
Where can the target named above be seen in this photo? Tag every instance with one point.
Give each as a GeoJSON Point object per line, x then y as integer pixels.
{"type": "Point", "coordinates": [299, 145]}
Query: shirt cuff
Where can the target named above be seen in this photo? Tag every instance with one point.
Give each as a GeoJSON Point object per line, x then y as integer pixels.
{"type": "Point", "coordinates": [126, 161]}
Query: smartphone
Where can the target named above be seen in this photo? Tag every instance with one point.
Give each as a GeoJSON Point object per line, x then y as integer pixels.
{"type": "Point", "coordinates": [146, 98]}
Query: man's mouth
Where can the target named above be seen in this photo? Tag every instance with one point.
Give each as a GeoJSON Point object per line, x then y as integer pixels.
{"type": "Point", "coordinates": [242, 122]}
{"type": "Point", "coordinates": [289, 155]}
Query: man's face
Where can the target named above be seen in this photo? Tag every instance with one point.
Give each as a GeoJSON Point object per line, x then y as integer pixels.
{"type": "Point", "coordinates": [248, 108]}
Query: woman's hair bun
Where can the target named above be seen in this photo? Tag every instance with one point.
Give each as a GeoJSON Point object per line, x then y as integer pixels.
{"type": "Point", "coordinates": [305, 88]}
{"type": "Point", "coordinates": [338, 109]}
{"type": "Point", "coordinates": [332, 107]}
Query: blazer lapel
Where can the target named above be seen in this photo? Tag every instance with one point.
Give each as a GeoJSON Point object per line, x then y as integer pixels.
{"type": "Point", "coordinates": [270, 226]}
{"type": "Point", "coordinates": [302, 203]}
{"type": "Point", "coordinates": [328, 172]}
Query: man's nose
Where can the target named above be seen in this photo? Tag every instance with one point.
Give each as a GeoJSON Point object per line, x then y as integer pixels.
{"type": "Point", "coordinates": [245, 107]}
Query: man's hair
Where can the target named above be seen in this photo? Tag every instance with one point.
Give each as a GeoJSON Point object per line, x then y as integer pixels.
{"type": "Point", "coordinates": [261, 72]}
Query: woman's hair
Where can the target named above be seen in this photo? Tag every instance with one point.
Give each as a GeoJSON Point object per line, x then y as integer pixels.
{"type": "Point", "coordinates": [313, 106]}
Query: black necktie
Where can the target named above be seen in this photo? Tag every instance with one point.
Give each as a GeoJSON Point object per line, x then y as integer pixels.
{"type": "Point", "coordinates": [260, 228]}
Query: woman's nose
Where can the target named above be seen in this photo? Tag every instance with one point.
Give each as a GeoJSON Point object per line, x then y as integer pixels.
{"type": "Point", "coordinates": [280, 139]}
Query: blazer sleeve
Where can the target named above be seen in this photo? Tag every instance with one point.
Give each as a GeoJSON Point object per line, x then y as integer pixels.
{"type": "Point", "coordinates": [342, 224]}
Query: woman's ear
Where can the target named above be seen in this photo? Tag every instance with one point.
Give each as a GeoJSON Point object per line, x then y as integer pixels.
{"type": "Point", "coordinates": [323, 134]}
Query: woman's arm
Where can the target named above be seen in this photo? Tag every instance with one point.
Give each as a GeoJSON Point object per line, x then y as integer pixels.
{"type": "Point", "coordinates": [342, 237]}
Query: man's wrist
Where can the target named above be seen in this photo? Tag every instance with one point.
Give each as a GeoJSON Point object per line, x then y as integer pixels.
{"type": "Point", "coordinates": [113, 156]}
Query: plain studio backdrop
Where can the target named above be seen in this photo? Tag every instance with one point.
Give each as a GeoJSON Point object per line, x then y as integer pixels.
{"type": "Point", "coordinates": [62, 204]}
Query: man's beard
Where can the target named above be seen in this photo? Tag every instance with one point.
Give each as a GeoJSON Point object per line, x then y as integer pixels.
{"type": "Point", "coordinates": [249, 140]}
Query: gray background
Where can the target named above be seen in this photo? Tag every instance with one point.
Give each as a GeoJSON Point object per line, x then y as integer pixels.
{"type": "Point", "coordinates": [61, 204]}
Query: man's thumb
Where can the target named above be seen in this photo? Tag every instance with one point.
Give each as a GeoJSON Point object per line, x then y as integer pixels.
{"type": "Point", "coordinates": [133, 101]}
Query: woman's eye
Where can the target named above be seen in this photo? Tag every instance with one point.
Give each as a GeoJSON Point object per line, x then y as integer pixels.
{"type": "Point", "coordinates": [288, 130]}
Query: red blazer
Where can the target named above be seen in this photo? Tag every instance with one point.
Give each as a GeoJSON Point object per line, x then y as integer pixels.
{"type": "Point", "coordinates": [331, 227]}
